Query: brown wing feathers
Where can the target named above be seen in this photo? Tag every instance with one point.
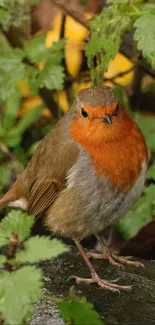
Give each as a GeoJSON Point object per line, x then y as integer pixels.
{"type": "Point", "coordinates": [41, 196]}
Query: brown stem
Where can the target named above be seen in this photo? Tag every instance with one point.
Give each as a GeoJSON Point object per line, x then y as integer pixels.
{"type": "Point", "coordinates": [71, 10]}
{"type": "Point", "coordinates": [13, 244]}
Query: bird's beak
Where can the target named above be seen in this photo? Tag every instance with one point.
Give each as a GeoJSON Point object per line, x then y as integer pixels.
{"type": "Point", "coordinates": [107, 119]}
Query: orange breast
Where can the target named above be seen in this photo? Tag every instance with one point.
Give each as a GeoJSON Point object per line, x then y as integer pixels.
{"type": "Point", "coordinates": [121, 161]}
{"type": "Point", "coordinates": [118, 152]}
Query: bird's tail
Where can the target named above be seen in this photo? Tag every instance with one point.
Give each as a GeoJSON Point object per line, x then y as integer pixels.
{"type": "Point", "coordinates": [7, 198]}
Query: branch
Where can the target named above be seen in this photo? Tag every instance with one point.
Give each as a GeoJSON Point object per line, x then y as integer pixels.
{"type": "Point", "coordinates": [109, 305]}
{"type": "Point", "coordinates": [71, 10]}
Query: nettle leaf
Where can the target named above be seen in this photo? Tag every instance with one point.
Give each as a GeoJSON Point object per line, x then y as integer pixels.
{"type": "Point", "coordinates": [52, 77]}
{"type": "Point", "coordinates": [78, 311]}
{"type": "Point", "coordinates": [11, 70]}
{"type": "Point", "coordinates": [35, 50]}
{"type": "Point", "coordinates": [145, 34]}
{"type": "Point", "coordinates": [106, 32]}
{"type": "Point", "coordinates": [17, 222]}
{"type": "Point", "coordinates": [139, 216]}
{"type": "Point", "coordinates": [38, 249]}
{"type": "Point", "coordinates": [151, 172]}
{"type": "Point", "coordinates": [19, 290]}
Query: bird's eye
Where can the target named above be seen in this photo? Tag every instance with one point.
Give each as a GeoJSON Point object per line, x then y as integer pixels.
{"type": "Point", "coordinates": [84, 113]}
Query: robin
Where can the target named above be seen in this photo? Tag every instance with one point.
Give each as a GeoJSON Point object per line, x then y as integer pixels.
{"type": "Point", "coordinates": [88, 171]}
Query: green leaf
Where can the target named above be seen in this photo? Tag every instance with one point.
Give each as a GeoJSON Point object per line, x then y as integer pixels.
{"type": "Point", "coordinates": [106, 33]}
{"type": "Point", "coordinates": [151, 172]}
{"type": "Point", "coordinates": [52, 77]}
{"type": "Point", "coordinates": [5, 17]}
{"type": "Point", "coordinates": [13, 137]}
{"type": "Point", "coordinates": [147, 126]}
{"type": "Point", "coordinates": [29, 119]}
{"type": "Point", "coordinates": [78, 311]}
{"type": "Point", "coordinates": [2, 260]}
{"type": "Point", "coordinates": [11, 70]}
{"type": "Point", "coordinates": [16, 222]}
{"type": "Point", "coordinates": [19, 290]}
{"type": "Point", "coordinates": [11, 108]}
{"type": "Point", "coordinates": [35, 50]}
{"type": "Point", "coordinates": [38, 249]}
{"type": "Point", "coordinates": [139, 216]}
{"type": "Point", "coordinates": [145, 35]}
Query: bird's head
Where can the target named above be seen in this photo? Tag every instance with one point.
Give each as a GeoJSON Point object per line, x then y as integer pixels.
{"type": "Point", "coordinates": [97, 117]}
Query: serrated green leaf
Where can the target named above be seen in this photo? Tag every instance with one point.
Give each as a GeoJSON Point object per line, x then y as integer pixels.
{"type": "Point", "coordinates": [35, 50]}
{"type": "Point", "coordinates": [78, 311]}
{"type": "Point", "coordinates": [16, 222]}
{"type": "Point", "coordinates": [19, 290]}
{"type": "Point", "coordinates": [151, 172]}
{"type": "Point", "coordinates": [38, 249]}
{"type": "Point", "coordinates": [145, 35]}
{"type": "Point", "coordinates": [106, 32]}
{"type": "Point", "coordinates": [11, 70]}
{"type": "Point", "coordinates": [52, 77]}
{"type": "Point", "coordinates": [2, 260]}
{"type": "Point", "coordinates": [139, 216]}
{"type": "Point", "coordinates": [31, 77]}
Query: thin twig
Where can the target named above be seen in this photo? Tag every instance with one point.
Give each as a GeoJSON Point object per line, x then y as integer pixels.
{"type": "Point", "coordinates": [69, 9]}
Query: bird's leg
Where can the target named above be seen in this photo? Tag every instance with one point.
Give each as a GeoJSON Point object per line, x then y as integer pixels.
{"type": "Point", "coordinates": [95, 278]}
{"type": "Point", "coordinates": [112, 258]}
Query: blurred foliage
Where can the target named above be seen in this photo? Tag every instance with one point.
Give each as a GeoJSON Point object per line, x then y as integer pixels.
{"type": "Point", "coordinates": [41, 72]}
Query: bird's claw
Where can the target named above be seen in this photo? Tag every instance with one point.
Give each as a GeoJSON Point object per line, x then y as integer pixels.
{"type": "Point", "coordinates": [112, 286]}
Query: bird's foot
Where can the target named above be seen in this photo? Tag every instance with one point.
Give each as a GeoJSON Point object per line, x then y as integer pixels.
{"type": "Point", "coordinates": [107, 285]}
{"type": "Point", "coordinates": [126, 260]}
{"type": "Point", "coordinates": [114, 259]}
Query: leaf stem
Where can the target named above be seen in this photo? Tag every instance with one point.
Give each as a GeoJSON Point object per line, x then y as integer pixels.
{"type": "Point", "coordinates": [50, 298]}
{"type": "Point", "coordinates": [135, 9]}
